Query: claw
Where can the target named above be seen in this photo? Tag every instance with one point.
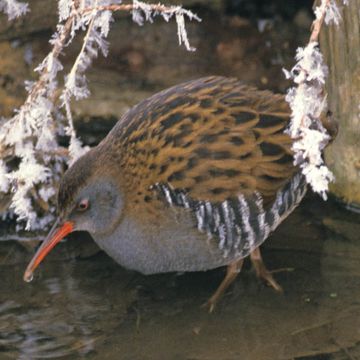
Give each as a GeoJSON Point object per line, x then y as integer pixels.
{"type": "Point", "coordinates": [232, 272]}
{"type": "Point", "coordinates": [262, 272]}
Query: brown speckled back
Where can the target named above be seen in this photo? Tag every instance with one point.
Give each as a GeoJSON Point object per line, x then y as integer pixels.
{"type": "Point", "coordinates": [214, 138]}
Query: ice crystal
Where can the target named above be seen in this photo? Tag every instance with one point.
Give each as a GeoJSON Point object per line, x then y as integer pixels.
{"type": "Point", "coordinates": [31, 135]}
{"type": "Point", "coordinates": [13, 8]}
{"type": "Point", "coordinates": [29, 173]}
{"type": "Point", "coordinates": [75, 82]}
{"type": "Point", "coordinates": [331, 10]}
{"type": "Point", "coordinates": [4, 181]}
{"type": "Point", "coordinates": [76, 149]}
{"type": "Point", "coordinates": [47, 192]}
{"type": "Point", "coordinates": [64, 9]}
{"type": "Point", "coordinates": [308, 102]}
{"type": "Point", "coordinates": [145, 12]}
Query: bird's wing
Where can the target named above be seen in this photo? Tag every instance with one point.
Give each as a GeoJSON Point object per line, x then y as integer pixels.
{"type": "Point", "coordinates": [209, 144]}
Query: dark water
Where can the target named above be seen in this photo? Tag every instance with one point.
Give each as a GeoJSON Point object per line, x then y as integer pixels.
{"type": "Point", "coordinates": [82, 304]}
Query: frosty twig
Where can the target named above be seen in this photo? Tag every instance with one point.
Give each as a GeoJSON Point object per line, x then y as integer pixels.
{"type": "Point", "coordinates": [308, 103]}
{"type": "Point", "coordinates": [31, 135]}
{"type": "Point", "coordinates": [13, 8]}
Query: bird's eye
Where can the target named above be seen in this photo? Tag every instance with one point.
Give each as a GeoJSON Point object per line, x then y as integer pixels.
{"type": "Point", "coordinates": [83, 205]}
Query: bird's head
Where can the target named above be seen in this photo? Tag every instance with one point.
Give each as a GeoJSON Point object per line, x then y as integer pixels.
{"type": "Point", "coordinates": [89, 199]}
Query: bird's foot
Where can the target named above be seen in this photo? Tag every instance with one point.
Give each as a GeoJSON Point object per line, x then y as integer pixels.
{"type": "Point", "coordinates": [210, 305]}
{"type": "Point", "coordinates": [232, 272]}
{"type": "Point", "coordinates": [262, 272]}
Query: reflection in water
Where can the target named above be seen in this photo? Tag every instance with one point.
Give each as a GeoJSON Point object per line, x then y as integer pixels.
{"type": "Point", "coordinates": [93, 308]}
{"type": "Point", "coordinates": [58, 316]}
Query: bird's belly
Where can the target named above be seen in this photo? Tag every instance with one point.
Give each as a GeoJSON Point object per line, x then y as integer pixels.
{"type": "Point", "coordinates": [176, 244]}
{"type": "Point", "coordinates": [160, 250]}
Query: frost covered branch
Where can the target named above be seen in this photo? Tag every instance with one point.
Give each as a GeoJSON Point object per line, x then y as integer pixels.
{"type": "Point", "coordinates": [31, 136]}
{"type": "Point", "coordinates": [142, 11]}
{"type": "Point", "coordinates": [308, 103]}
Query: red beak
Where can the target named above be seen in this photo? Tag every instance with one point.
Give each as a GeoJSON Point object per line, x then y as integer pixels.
{"type": "Point", "coordinates": [56, 234]}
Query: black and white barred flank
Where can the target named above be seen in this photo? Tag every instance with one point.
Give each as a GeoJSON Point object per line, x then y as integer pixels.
{"type": "Point", "coordinates": [240, 224]}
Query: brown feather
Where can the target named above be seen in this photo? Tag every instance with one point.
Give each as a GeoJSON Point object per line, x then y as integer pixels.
{"type": "Point", "coordinates": [213, 138]}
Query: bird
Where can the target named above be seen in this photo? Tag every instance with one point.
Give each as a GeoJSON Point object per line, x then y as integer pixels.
{"type": "Point", "coordinates": [193, 178]}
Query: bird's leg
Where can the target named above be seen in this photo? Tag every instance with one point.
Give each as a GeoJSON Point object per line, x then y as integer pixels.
{"type": "Point", "coordinates": [261, 271]}
{"type": "Point", "coordinates": [232, 272]}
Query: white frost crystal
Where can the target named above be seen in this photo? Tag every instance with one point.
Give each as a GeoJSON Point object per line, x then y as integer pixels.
{"type": "Point", "coordinates": [4, 181]}
{"type": "Point", "coordinates": [13, 8]}
{"type": "Point", "coordinates": [332, 13]}
{"type": "Point", "coordinates": [31, 136]}
{"type": "Point", "coordinates": [145, 11]}
{"type": "Point", "coordinates": [64, 9]}
{"type": "Point", "coordinates": [76, 149]}
{"type": "Point", "coordinates": [29, 174]}
{"type": "Point", "coordinates": [308, 102]}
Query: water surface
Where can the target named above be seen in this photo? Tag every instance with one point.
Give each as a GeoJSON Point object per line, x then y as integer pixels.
{"type": "Point", "coordinates": [82, 304]}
